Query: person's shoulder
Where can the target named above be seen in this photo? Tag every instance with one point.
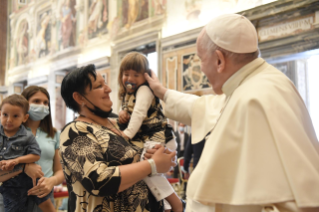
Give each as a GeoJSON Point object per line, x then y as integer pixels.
{"type": "Point", "coordinates": [68, 125]}
{"type": "Point", "coordinates": [144, 91]}
{"type": "Point", "coordinates": [144, 88]}
{"type": "Point", "coordinates": [27, 133]}
{"type": "Point", "coordinates": [75, 126]}
{"type": "Point", "coordinates": [271, 83]}
{"type": "Point", "coordinates": [24, 132]}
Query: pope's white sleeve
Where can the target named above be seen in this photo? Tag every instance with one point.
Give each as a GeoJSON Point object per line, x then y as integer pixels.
{"type": "Point", "coordinates": [159, 186]}
{"type": "Point", "coordinates": [144, 98]}
{"type": "Point", "coordinates": [178, 106]}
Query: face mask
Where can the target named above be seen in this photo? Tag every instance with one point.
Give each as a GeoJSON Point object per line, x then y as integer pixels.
{"type": "Point", "coordinates": [181, 129]}
{"type": "Point", "coordinates": [38, 112]}
{"type": "Point", "coordinates": [97, 111]}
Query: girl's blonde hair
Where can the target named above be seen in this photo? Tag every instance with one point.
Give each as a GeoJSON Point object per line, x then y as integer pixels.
{"type": "Point", "coordinates": [132, 61]}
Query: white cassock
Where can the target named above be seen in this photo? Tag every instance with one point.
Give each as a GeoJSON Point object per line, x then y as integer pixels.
{"type": "Point", "coordinates": [262, 155]}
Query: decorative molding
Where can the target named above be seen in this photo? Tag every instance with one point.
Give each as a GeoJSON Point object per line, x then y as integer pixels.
{"type": "Point", "coordinates": [285, 12]}
{"type": "Point", "coordinates": [38, 80]}
{"type": "Point", "coordinates": [277, 8]}
{"type": "Point", "coordinates": [287, 28]}
{"type": "Point", "coordinates": [135, 41]}
{"type": "Point", "coordinates": [180, 39]}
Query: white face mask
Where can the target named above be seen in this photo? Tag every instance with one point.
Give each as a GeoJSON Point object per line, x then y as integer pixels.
{"type": "Point", "coordinates": [38, 112]}
{"type": "Point", "coordinates": [181, 129]}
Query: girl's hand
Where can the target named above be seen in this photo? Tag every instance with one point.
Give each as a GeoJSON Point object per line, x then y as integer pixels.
{"type": "Point", "coordinates": [34, 171]}
{"type": "Point", "coordinates": [164, 161]}
{"type": "Point", "coordinates": [124, 117]}
{"type": "Point", "coordinates": [43, 188]}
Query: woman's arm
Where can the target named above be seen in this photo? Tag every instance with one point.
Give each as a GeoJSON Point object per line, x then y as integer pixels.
{"type": "Point", "coordinates": [132, 173]}
{"type": "Point", "coordinates": [33, 170]}
{"type": "Point", "coordinates": [7, 165]}
{"type": "Point", "coordinates": [45, 185]}
{"type": "Point", "coordinates": [6, 175]}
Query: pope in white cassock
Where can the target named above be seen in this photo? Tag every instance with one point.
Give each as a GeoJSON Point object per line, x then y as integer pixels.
{"type": "Point", "coordinates": [261, 152]}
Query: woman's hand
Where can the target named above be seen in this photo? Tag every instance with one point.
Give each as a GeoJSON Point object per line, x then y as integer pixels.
{"type": "Point", "coordinates": [150, 152]}
{"type": "Point", "coordinates": [124, 117]}
{"type": "Point", "coordinates": [43, 188]}
{"type": "Point", "coordinates": [164, 161]}
{"type": "Point", "coordinates": [34, 171]}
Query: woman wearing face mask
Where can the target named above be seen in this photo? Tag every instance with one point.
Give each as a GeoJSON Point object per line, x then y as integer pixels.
{"type": "Point", "coordinates": [40, 123]}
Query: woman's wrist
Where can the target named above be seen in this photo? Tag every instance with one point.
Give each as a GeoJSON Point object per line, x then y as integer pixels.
{"type": "Point", "coordinates": [54, 180]}
{"type": "Point", "coordinates": [153, 167]}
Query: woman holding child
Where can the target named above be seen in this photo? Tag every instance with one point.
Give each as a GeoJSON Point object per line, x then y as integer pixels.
{"type": "Point", "coordinates": [102, 168]}
{"type": "Point", "coordinates": [40, 124]}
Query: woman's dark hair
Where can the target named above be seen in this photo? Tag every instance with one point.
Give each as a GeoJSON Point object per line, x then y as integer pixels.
{"type": "Point", "coordinates": [76, 81]}
{"type": "Point", "coordinates": [46, 123]}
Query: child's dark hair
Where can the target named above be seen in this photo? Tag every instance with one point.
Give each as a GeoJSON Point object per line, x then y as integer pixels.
{"type": "Point", "coordinates": [132, 61]}
{"type": "Point", "coordinates": [16, 100]}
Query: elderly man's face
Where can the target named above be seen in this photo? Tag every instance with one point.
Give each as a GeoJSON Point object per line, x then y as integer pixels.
{"type": "Point", "coordinates": [208, 61]}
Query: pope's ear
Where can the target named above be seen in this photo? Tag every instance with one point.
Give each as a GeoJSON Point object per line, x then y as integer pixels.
{"type": "Point", "coordinates": [221, 61]}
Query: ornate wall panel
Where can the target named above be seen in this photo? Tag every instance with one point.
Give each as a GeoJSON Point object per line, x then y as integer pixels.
{"type": "Point", "coordinates": [182, 71]}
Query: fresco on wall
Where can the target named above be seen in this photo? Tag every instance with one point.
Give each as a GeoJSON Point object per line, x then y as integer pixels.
{"type": "Point", "coordinates": [18, 4]}
{"type": "Point", "coordinates": [43, 37]}
{"type": "Point", "coordinates": [133, 11]}
{"type": "Point", "coordinates": [66, 29]}
{"type": "Point", "coordinates": [193, 9]}
{"type": "Point", "coordinates": [22, 43]}
{"type": "Point", "coordinates": [158, 7]}
{"type": "Point", "coordinates": [193, 77]}
{"type": "Point", "coordinates": [114, 26]}
{"type": "Point", "coordinates": [98, 18]}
